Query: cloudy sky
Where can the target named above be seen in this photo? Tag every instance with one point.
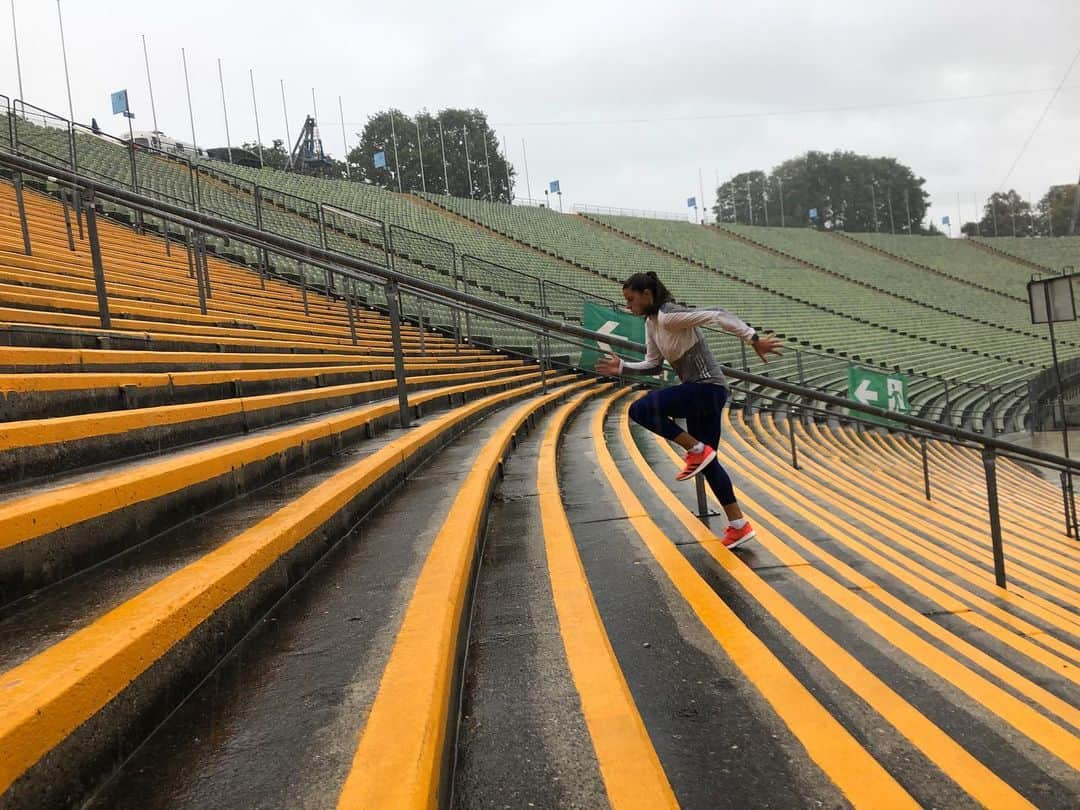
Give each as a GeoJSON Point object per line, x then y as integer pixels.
{"type": "Point", "coordinates": [624, 102]}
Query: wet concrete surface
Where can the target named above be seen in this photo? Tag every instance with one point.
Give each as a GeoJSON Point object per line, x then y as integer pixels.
{"type": "Point", "coordinates": [276, 724]}
{"type": "Point", "coordinates": [718, 741]}
{"type": "Point", "coordinates": [522, 740]}
{"type": "Point", "coordinates": [1042, 779]}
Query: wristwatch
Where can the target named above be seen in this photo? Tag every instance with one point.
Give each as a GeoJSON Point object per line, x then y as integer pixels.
{"type": "Point", "coordinates": [755, 338]}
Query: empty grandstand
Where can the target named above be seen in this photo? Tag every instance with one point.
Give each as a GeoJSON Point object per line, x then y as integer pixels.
{"type": "Point", "coordinates": [307, 501]}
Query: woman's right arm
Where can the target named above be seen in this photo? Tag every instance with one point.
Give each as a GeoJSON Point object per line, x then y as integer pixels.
{"type": "Point", "coordinates": [652, 364]}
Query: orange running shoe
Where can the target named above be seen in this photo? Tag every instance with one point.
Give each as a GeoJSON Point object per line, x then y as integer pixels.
{"type": "Point", "coordinates": [696, 462]}
{"type": "Point", "coordinates": [733, 538]}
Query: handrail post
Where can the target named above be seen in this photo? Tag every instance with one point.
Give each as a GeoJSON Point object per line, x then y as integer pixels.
{"type": "Point", "coordinates": [399, 354]}
{"type": "Point", "coordinates": [702, 500]}
{"type": "Point", "coordinates": [925, 466]}
{"type": "Point", "coordinates": [547, 314]}
{"type": "Point", "coordinates": [420, 325]}
{"type": "Point", "coordinates": [303, 291]}
{"type": "Point", "coordinates": [67, 220]}
{"type": "Point", "coordinates": [322, 225]}
{"type": "Point", "coordinates": [1065, 505]}
{"type": "Point", "coordinates": [540, 362]}
{"type": "Point", "coordinates": [78, 205]}
{"type": "Point", "coordinates": [798, 363]}
{"type": "Point", "coordinates": [16, 178]}
{"type": "Point", "coordinates": [349, 310]}
{"type": "Point", "coordinates": [465, 286]}
{"type": "Point", "coordinates": [264, 255]}
{"type": "Point", "coordinates": [95, 259]}
{"type": "Point", "coordinates": [989, 458]}
{"type": "Point", "coordinates": [948, 404]}
{"type": "Point", "coordinates": [1072, 505]}
{"type": "Point", "coordinates": [206, 268]}
{"type": "Point", "coordinates": [791, 436]}
{"type": "Point", "coordinates": [195, 259]}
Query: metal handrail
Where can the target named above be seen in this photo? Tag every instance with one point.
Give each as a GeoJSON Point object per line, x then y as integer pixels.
{"type": "Point", "coordinates": [355, 269]}
{"type": "Point", "coordinates": [351, 265]}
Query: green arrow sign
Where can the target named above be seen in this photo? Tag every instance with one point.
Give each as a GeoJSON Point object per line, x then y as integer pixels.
{"type": "Point", "coordinates": [609, 322]}
{"type": "Point", "coordinates": [889, 391]}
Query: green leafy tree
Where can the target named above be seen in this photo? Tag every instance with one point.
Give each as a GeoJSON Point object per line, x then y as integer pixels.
{"type": "Point", "coordinates": [1004, 214]}
{"type": "Point", "coordinates": [274, 156]}
{"type": "Point", "coordinates": [419, 161]}
{"type": "Point", "coordinates": [850, 192]}
{"type": "Point", "coordinates": [1056, 211]}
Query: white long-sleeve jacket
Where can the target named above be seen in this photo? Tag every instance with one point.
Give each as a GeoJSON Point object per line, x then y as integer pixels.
{"type": "Point", "coordinates": [674, 334]}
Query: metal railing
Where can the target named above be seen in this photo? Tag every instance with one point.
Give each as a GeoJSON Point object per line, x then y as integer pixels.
{"type": "Point", "coordinates": [345, 273]}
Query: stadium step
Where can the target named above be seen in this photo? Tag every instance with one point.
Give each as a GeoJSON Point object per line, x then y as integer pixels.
{"type": "Point", "coordinates": [52, 530]}
{"type": "Point", "coordinates": [90, 678]}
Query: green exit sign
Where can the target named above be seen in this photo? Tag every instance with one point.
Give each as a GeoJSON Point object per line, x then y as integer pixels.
{"type": "Point", "coordinates": [889, 391]}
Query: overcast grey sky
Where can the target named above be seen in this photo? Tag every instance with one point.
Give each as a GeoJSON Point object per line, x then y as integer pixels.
{"type": "Point", "coordinates": [623, 101]}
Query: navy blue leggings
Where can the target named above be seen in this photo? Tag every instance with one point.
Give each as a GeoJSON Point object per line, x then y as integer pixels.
{"type": "Point", "coordinates": [702, 406]}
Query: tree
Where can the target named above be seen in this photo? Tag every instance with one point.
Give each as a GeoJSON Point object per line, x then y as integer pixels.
{"type": "Point", "coordinates": [1056, 210]}
{"type": "Point", "coordinates": [274, 157]}
{"type": "Point", "coordinates": [483, 175]}
{"type": "Point", "coordinates": [850, 192]}
{"type": "Point", "coordinates": [1004, 214]}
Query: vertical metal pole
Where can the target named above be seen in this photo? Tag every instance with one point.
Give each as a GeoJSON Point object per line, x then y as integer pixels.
{"type": "Point", "coordinates": [285, 112]}
{"type": "Point", "coordinates": [989, 458]}
{"type": "Point", "coordinates": [77, 201]}
{"type": "Point", "coordinates": [255, 106]}
{"type": "Point", "coordinates": [525, 158]}
{"type": "Point", "coordinates": [397, 163]}
{"type": "Point", "coordinates": [352, 318]}
{"type": "Point", "coordinates": [344, 138]}
{"type": "Point", "coordinates": [1072, 506]}
{"type": "Point", "coordinates": [67, 220]}
{"type": "Point", "coordinates": [948, 404]}
{"type": "Point", "coordinates": [149, 84]}
{"type": "Point", "coordinates": [445, 173]}
{"type": "Point", "coordinates": [702, 500]}
{"type": "Point", "coordinates": [468, 164]}
{"type": "Point", "coordinates": [506, 165]}
{"type": "Point", "coordinates": [420, 152]}
{"type": "Point", "coordinates": [17, 181]}
{"type": "Point", "coordinates": [925, 466]}
{"type": "Point", "coordinates": [206, 269]}
{"type": "Point", "coordinates": [487, 165]}
{"type": "Point", "coordinates": [799, 366]}
{"type": "Point", "coordinates": [745, 363]}
{"type": "Point", "coordinates": [195, 262]}
{"type": "Point", "coordinates": [95, 259]}
{"type": "Point", "coordinates": [399, 356]}
{"type": "Point", "coordinates": [322, 225]}
{"type": "Point", "coordinates": [1065, 505]}
{"type": "Point", "coordinates": [191, 112]}
{"type": "Point", "coordinates": [18, 63]}
{"type": "Point", "coordinates": [780, 182]}
{"type": "Point", "coordinates": [791, 436]}
{"type": "Point", "coordinates": [540, 362]}
{"type": "Point", "coordinates": [468, 317]}
{"type": "Point", "coordinates": [907, 207]}
{"type": "Point", "coordinates": [420, 325]}
{"type": "Point", "coordinates": [303, 291]}
{"type": "Point", "coordinates": [224, 109]}
{"type": "Point", "coordinates": [63, 50]}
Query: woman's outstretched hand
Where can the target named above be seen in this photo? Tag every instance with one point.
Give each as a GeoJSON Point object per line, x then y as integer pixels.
{"type": "Point", "coordinates": [766, 345]}
{"type": "Point", "coordinates": [608, 366]}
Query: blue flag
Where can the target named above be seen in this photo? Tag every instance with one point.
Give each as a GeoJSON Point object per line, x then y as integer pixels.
{"type": "Point", "coordinates": [119, 102]}
{"type": "Point", "coordinates": [945, 221]}
{"type": "Point", "coordinates": [553, 186]}
{"type": "Point", "coordinates": [691, 202]}
{"type": "Point", "coordinates": [380, 160]}
{"type": "Point", "coordinates": [813, 213]}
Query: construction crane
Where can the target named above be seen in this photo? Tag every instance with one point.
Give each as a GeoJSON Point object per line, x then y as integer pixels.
{"type": "Point", "coordinates": [307, 156]}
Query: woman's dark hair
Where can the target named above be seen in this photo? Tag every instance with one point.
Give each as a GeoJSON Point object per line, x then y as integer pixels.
{"type": "Point", "coordinates": [640, 282]}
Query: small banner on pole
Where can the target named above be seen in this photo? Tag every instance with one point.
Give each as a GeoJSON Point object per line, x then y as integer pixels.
{"type": "Point", "coordinates": [554, 186]}
{"type": "Point", "coordinates": [119, 102]}
{"type": "Point", "coordinates": [379, 160]}
{"type": "Point", "coordinates": [691, 202]}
